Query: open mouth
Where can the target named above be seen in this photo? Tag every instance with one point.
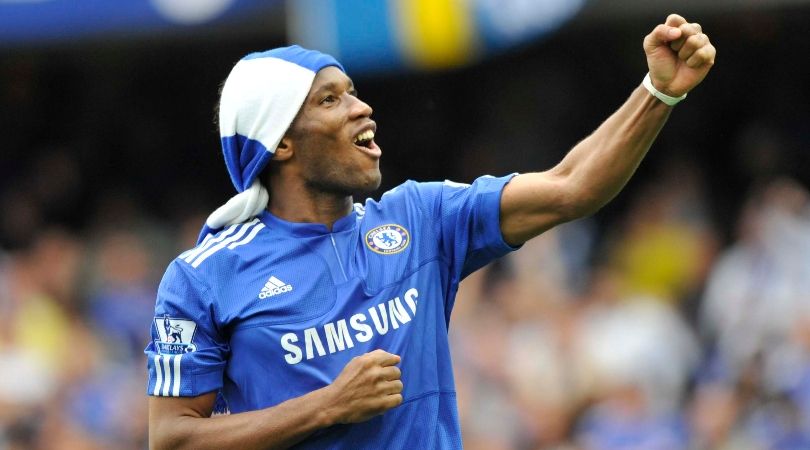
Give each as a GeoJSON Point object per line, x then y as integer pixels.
{"type": "Point", "coordinates": [364, 139]}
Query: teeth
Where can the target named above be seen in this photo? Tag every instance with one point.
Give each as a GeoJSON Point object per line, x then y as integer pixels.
{"type": "Point", "coordinates": [364, 136]}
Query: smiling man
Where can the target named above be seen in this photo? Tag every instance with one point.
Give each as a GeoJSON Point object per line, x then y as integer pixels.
{"type": "Point", "coordinates": [322, 323]}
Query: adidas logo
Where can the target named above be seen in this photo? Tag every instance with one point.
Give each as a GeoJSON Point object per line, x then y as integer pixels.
{"type": "Point", "coordinates": [274, 286]}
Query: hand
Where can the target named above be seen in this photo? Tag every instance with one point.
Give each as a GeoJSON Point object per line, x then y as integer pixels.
{"type": "Point", "coordinates": [679, 55]}
{"type": "Point", "coordinates": [369, 385]}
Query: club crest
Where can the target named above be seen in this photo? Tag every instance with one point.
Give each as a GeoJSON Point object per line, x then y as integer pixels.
{"type": "Point", "coordinates": [175, 335]}
{"type": "Point", "coordinates": [388, 239]}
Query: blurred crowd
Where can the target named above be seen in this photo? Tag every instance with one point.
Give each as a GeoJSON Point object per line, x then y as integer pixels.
{"type": "Point", "coordinates": [666, 340]}
{"type": "Point", "coordinates": [75, 313]}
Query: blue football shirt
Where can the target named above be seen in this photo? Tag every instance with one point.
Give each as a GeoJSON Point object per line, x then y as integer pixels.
{"type": "Point", "coordinates": [270, 310]}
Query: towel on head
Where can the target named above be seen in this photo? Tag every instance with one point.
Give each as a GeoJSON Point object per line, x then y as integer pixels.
{"type": "Point", "coordinates": [260, 99]}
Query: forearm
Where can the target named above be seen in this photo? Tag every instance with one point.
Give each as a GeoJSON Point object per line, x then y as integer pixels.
{"type": "Point", "coordinates": [589, 176]}
{"type": "Point", "coordinates": [679, 56]}
{"type": "Point", "coordinates": [277, 427]}
{"type": "Point", "coordinates": [597, 168]}
{"type": "Point", "coordinates": [368, 385]}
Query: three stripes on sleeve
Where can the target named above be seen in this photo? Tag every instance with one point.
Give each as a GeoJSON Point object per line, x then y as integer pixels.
{"type": "Point", "coordinates": [231, 237]}
{"type": "Point", "coordinates": [167, 375]}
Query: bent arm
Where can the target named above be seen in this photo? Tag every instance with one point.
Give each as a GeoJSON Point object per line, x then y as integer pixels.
{"type": "Point", "coordinates": [185, 423]}
{"type": "Point", "coordinates": [367, 386]}
{"type": "Point", "coordinates": [679, 56]}
{"type": "Point", "coordinates": [589, 176]}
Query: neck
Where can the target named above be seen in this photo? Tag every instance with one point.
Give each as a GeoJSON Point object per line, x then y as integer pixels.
{"type": "Point", "coordinates": [300, 203]}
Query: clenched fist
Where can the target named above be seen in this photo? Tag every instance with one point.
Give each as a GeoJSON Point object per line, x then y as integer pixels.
{"type": "Point", "coordinates": [679, 55]}
{"type": "Point", "coordinates": [368, 386]}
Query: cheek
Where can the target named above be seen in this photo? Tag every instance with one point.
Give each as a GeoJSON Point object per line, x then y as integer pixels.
{"type": "Point", "coordinates": [321, 160]}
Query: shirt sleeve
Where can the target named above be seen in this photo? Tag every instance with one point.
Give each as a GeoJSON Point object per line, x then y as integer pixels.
{"type": "Point", "coordinates": [186, 356]}
{"type": "Point", "coordinates": [469, 225]}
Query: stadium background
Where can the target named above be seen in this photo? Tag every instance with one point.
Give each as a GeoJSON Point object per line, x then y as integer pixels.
{"type": "Point", "coordinates": [675, 318]}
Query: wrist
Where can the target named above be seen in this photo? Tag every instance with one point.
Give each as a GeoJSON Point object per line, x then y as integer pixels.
{"type": "Point", "coordinates": [665, 98]}
{"type": "Point", "coordinates": [328, 410]}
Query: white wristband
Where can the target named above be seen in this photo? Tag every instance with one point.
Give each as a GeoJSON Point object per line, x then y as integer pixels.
{"type": "Point", "coordinates": [670, 101]}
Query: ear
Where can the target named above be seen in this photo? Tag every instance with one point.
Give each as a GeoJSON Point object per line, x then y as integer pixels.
{"type": "Point", "coordinates": [284, 151]}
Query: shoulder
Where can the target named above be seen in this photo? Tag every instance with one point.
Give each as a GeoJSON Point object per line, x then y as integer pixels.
{"type": "Point", "coordinates": [429, 189]}
{"type": "Point", "coordinates": [408, 192]}
{"type": "Point", "coordinates": [431, 193]}
{"type": "Point", "coordinates": [236, 241]}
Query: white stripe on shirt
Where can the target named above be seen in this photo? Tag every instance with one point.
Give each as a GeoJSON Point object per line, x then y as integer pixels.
{"type": "Point", "coordinates": [203, 247]}
{"type": "Point", "coordinates": [222, 244]}
{"type": "Point", "coordinates": [249, 238]}
{"type": "Point", "coordinates": [166, 370]}
{"type": "Point", "coordinates": [159, 376]}
{"type": "Point", "coordinates": [176, 375]}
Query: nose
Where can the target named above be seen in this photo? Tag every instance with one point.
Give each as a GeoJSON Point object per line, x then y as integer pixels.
{"type": "Point", "coordinates": [359, 108]}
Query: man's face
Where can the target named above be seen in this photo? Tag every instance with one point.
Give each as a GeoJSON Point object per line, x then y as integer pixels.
{"type": "Point", "coordinates": [332, 137]}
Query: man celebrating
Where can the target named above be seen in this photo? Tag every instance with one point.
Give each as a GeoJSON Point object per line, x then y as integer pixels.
{"type": "Point", "coordinates": [322, 323]}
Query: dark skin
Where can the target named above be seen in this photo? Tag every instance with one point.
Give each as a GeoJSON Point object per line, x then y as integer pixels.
{"type": "Point", "coordinates": [317, 184]}
{"type": "Point", "coordinates": [317, 166]}
{"type": "Point", "coordinates": [368, 386]}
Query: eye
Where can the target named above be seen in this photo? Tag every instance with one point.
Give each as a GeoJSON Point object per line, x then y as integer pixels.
{"type": "Point", "coordinates": [328, 99]}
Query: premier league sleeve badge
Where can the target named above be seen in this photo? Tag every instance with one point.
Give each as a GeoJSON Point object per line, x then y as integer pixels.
{"type": "Point", "coordinates": [175, 336]}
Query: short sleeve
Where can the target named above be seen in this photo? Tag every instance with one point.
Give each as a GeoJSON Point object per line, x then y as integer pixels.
{"type": "Point", "coordinates": [186, 355]}
{"type": "Point", "coordinates": [469, 222]}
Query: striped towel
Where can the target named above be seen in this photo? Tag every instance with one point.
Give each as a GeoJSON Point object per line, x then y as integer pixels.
{"type": "Point", "coordinates": [259, 101]}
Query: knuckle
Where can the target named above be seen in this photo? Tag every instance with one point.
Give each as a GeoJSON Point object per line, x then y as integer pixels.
{"type": "Point", "coordinates": [704, 54]}
{"type": "Point", "coordinates": [367, 363]}
{"type": "Point", "coordinates": [689, 29]}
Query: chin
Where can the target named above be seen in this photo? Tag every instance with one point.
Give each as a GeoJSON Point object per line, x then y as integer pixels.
{"type": "Point", "coordinates": [370, 185]}
{"type": "Point", "coordinates": [370, 182]}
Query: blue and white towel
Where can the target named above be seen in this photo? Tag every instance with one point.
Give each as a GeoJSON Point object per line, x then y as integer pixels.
{"type": "Point", "coordinates": [260, 99]}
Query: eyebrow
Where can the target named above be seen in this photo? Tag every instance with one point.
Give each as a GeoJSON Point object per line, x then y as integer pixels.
{"type": "Point", "coordinates": [334, 86]}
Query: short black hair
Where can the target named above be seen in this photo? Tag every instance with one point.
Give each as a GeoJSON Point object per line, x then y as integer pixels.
{"type": "Point", "coordinates": [216, 105]}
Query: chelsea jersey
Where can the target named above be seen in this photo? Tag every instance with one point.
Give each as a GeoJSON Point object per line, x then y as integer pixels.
{"type": "Point", "coordinates": [270, 310]}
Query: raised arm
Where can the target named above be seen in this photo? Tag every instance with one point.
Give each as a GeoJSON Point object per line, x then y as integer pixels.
{"type": "Point", "coordinates": [679, 56]}
{"type": "Point", "coordinates": [368, 386]}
